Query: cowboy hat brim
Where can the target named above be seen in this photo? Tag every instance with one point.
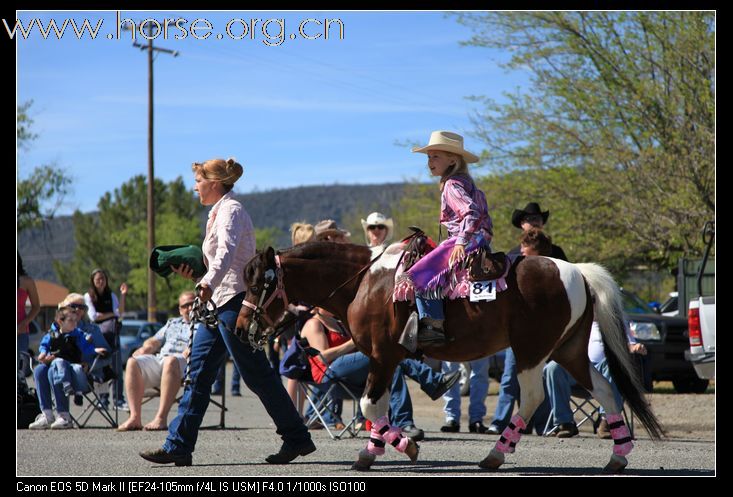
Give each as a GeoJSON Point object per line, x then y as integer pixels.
{"type": "Point", "coordinates": [332, 231]}
{"type": "Point", "coordinates": [389, 223]}
{"type": "Point", "coordinates": [519, 214]}
{"type": "Point", "coordinates": [468, 156]}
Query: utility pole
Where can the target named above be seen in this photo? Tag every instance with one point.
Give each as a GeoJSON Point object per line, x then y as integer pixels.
{"type": "Point", "coordinates": [152, 296]}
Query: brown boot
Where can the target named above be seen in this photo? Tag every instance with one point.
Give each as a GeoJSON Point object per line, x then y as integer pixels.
{"type": "Point", "coordinates": [430, 332]}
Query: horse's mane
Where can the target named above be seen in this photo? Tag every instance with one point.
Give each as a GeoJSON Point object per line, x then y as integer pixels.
{"type": "Point", "coordinates": [346, 252]}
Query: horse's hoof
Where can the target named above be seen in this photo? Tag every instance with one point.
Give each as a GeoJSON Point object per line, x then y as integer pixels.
{"type": "Point", "coordinates": [412, 450]}
{"type": "Point", "coordinates": [364, 462]}
{"type": "Point", "coordinates": [493, 461]}
{"type": "Point", "coordinates": [616, 465]}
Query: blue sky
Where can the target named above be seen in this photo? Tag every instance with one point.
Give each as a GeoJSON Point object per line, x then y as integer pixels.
{"type": "Point", "coordinates": [304, 112]}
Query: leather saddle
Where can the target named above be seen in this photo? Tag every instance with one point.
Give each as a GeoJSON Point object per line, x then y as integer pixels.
{"type": "Point", "coordinates": [418, 245]}
{"type": "Point", "coordinates": [485, 266]}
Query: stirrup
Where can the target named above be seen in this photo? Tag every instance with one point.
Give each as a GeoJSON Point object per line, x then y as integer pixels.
{"type": "Point", "coordinates": [430, 335]}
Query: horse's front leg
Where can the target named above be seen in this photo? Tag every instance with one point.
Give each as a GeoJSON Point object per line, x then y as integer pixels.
{"type": "Point", "coordinates": [375, 407]}
{"type": "Point", "coordinates": [532, 394]}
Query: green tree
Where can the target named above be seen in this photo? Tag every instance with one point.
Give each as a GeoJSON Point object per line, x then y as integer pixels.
{"type": "Point", "coordinates": [115, 238]}
{"type": "Point", "coordinates": [619, 118]}
{"type": "Point", "coordinates": [42, 192]}
{"type": "Point", "coordinates": [266, 237]}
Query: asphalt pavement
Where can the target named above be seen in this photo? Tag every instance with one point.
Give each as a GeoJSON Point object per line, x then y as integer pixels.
{"type": "Point", "coordinates": [240, 449]}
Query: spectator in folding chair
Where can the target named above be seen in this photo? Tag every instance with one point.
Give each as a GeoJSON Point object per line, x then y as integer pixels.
{"type": "Point", "coordinates": [324, 333]}
{"type": "Point", "coordinates": [559, 383]}
{"type": "Point", "coordinates": [60, 371]}
{"type": "Point", "coordinates": [163, 370]}
{"type": "Point", "coordinates": [103, 366]}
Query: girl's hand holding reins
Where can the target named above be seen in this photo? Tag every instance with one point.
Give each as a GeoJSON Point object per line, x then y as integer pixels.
{"type": "Point", "coordinates": [456, 255]}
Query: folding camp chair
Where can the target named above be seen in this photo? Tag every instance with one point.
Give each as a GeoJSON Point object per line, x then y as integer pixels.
{"type": "Point", "coordinates": [322, 397]}
{"type": "Point", "coordinates": [585, 408]}
{"type": "Point", "coordinates": [152, 393]}
{"type": "Point", "coordinates": [97, 382]}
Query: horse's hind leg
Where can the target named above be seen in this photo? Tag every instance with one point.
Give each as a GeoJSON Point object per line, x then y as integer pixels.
{"type": "Point", "coordinates": [622, 443]}
{"type": "Point", "coordinates": [532, 394]}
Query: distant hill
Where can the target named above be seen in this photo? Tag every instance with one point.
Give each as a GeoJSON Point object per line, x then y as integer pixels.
{"type": "Point", "coordinates": [277, 209]}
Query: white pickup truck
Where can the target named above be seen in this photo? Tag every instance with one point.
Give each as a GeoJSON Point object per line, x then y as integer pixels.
{"type": "Point", "coordinates": [701, 319]}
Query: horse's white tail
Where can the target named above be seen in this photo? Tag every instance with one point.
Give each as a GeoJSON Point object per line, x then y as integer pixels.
{"type": "Point", "coordinates": [608, 310]}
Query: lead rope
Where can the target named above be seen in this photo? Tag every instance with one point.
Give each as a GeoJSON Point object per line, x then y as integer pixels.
{"type": "Point", "coordinates": [199, 313]}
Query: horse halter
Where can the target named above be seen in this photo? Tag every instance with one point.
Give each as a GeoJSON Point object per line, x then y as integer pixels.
{"type": "Point", "coordinates": [258, 340]}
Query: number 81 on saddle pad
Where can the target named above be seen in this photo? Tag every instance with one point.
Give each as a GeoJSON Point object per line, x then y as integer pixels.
{"type": "Point", "coordinates": [482, 290]}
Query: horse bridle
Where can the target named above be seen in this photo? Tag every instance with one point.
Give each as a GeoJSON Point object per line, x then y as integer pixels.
{"type": "Point", "coordinates": [258, 311]}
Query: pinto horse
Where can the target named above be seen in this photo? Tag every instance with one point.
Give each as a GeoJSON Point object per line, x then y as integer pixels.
{"type": "Point", "coordinates": [545, 313]}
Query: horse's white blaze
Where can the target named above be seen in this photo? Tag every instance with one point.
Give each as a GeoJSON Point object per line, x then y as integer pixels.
{"type": "Point", "coordinates": [572, 280]}
{"type": "Point", "coordinates": [389, 259]}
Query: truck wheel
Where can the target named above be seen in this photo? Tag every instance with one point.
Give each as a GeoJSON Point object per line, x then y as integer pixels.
{"type": "Point", "coordinates": [690, 385]}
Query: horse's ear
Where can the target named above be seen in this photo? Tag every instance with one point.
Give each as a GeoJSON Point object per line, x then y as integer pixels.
{"type": "Point", "coordinates": [270, 256]}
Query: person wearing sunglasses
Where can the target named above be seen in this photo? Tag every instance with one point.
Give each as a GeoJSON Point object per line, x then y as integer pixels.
{"type": "Point", "coordinates": [159, 363]}
{"type": "Point", "coordinates": [378, 231]}
{"type": "Point", "coordinates": [60, 371]}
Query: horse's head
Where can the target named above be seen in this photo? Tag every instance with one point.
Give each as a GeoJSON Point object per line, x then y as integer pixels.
{"type": "Point", "coordinates": [265, 300]}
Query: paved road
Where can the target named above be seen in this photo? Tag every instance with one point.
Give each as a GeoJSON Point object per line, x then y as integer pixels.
{"type": "Point", "coordinates": [240, 449]}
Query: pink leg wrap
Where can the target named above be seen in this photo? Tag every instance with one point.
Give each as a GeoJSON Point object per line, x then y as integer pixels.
{"type": "Point", "coordinates": [510, 436]}
{"type": "Point", "coordinates": [376, 437]}
{"type": "Point", "coordinates": [395, 438]}
{"type": "Point", "coordinates": [620, 434]}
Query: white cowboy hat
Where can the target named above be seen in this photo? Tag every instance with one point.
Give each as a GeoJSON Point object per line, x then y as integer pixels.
{"type": "Point", "coordinates": [375, 219]}
{"type": "Point", "coordinates": [447, 141]}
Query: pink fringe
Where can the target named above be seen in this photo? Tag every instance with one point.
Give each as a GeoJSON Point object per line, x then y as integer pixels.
{"type": "Point", "coordinates": [405, 291]}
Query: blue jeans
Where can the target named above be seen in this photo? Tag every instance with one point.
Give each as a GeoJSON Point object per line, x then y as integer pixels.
{"type": "Point", "coordinates": [218, 384]}
{"type": "Point", "coordinates": [508, 392]}
{"type": "Point", "coordinates": [479, 388]}
{"type": "Point", "coordinates": [400, 404]}
{"type": "Point", "coordinates": [61, 377]}
{"type": "Point", "coordinates": [558, 384]}
{"type": "Point", "coordinates": [427, 308]}
{"type": "Point", "coordinates": [210, 347]}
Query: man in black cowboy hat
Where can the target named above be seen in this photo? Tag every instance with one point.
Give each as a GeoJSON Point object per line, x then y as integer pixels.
{"type": "Point", "coordinates": [533, 217]}
{"type": "Point", "coordinates": [529, 217]}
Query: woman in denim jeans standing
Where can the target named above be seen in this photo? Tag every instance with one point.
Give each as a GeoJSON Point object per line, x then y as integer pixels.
{"type": "Point", "coordinates": [228, 244]}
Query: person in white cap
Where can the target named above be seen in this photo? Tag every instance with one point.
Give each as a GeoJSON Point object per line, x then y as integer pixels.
{"type": "Point", "coordinates": [378, 231]}
{"type": "Point", "coordinates": [465, 213]}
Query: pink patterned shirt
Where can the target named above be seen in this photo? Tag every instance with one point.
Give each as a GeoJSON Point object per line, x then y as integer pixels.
{"type": "Point", "coordinates": [464, 211]}
{"type": "Point", "coordinates": [229, 244]}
